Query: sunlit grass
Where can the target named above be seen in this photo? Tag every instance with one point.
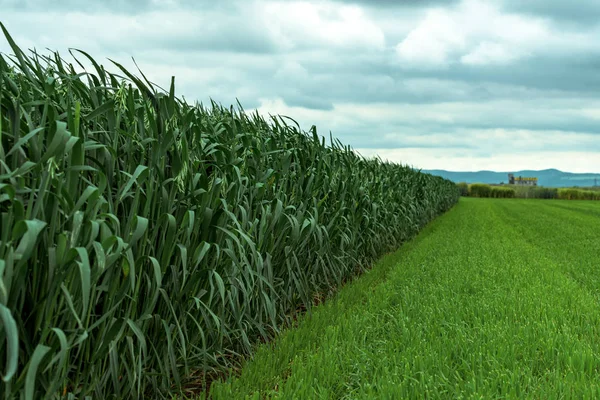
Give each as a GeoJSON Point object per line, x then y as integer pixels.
{"type": "Point", "coordinates": [495, 299]}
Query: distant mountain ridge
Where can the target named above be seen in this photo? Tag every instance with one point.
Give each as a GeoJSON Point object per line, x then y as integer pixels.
{"type": "Point", "coordinates": [546, 177]}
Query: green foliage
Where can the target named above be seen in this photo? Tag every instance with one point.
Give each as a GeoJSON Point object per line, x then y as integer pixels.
{"type": "Point", "coordinates": [480, 190]}
{"type": "Point", "coordinates": [494, 300]}
{"type": "Point", "coordinates": [578, 194]}
{"type": "Point", "coordinates": [463, 188]}
{"type": "Point", "coordinates": [535, 192]}
{"type": "Point", "coordinates": [527, 192]}
{"type": "Point", "coordinates": [502, 192]}
{"type": "Point", "coordinates": [146, 242]}
{"type": "Point", "coordinates": [543, 193]}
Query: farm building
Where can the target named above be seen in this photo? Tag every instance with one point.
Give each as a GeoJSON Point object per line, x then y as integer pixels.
{"type": "Point", "coordinates": [520, 180]}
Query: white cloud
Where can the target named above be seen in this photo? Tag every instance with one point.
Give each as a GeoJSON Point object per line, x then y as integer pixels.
{"type": "Point", "coordinates": [489, 53]}
{"type": "Point", "coordinates": [437, 37]}
{"type": "Point", "coordinates": [498, 140]}
{"type": "Point", "coordinates": [324, 120]}
{"type": "Point", "coordinates": [291, 71]}
{"type": "Point", "coordinates": [589, 112]}
{"type": "Point", "coordinates": [299, 24]}
{"type": "Point", "coordinates": [477, 32]}
{"type": "Point", "coordinates": [460, 160]}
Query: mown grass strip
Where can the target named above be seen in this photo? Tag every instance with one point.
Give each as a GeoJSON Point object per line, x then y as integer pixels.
{"type": "Point", "coordinates": [487, 302]}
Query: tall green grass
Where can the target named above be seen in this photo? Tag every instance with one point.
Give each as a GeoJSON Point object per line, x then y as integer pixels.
{"type": "Point", "coordinates": [526, 192]}
{"type": "Point", "coordinates": [463, 188]}
{"type": "Point", "coordinates": [480, 190]}
{"type": "Point", "coordinates": [577, 194]}
{"type": "Point", "coordinates": [147, 243]}
{"type": "Point", "coordinates": [483, 190]}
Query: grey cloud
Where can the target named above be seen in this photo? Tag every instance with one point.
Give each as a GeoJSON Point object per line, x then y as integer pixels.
{"type": "Point", "coordinates": [148, 33]}
{"type": "Point", "coordinates": [583, 12]}
{"type": "Point", "coordinates": [312, 102]}
{"type": "Point", "coordinates": [224, 37]}
{"type": "Point", "coordinates": [566, 124]}
{"type": "Point", "coordinates": [559, 71]}
{"type": "Point", "coordinates": [571, 73]}
{"type": "Point", "coordinates": [342, 79]}
{"type": "Point", "coordinates": [114, 6]}
{"type": "Point", "coordinates": [401, 3]}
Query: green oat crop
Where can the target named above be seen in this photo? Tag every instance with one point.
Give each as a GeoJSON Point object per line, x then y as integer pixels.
{"type": "Point", "coordinates": [146, 243]}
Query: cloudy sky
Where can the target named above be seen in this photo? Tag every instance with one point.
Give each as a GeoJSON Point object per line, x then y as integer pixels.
{"type": "Point", "coordinates": [459, 85]}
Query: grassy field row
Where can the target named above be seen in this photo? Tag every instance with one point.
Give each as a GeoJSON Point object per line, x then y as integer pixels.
{"type": "Point", "coordinates": [495, 299]}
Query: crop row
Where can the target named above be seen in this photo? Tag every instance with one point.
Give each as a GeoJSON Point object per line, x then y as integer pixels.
{"type": "Point", "coordinates": [147, 243]}
{"type": "Point", "coordinates": [532, 192]}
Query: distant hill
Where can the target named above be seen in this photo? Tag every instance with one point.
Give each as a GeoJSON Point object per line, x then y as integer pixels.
{"type": "Point", "coordinates": [546, 177]}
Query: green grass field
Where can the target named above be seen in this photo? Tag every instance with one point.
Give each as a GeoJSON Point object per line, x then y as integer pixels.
{"type": "Point", "coordinates": [498, 298]}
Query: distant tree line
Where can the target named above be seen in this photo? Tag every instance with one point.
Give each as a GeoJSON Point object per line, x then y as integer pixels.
{"type": "Point", "coordinates": [525, 192]}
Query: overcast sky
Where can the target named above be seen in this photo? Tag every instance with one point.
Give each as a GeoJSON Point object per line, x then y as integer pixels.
{"type": "Point", "coordinates": [458, 85]}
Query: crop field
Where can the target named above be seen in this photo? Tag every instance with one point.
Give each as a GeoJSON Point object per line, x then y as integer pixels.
{"type": "Point", "coordinates": [147, 244]}
{"type": "Point", "coordinates": [498, 298]}
{"type": "Point", "coordinates": [148, 247]}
